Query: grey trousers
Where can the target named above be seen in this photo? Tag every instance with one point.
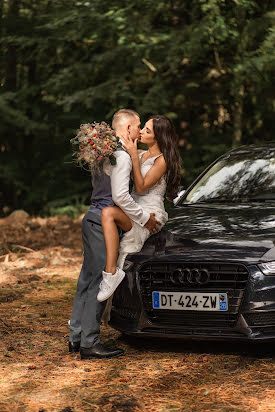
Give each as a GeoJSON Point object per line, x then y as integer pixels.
{"type": "Point", "coordinates": [87, 311]}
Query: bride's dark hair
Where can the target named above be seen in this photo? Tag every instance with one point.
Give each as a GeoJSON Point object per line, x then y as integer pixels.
{"type": "Point", "coordinates": [167, 140]}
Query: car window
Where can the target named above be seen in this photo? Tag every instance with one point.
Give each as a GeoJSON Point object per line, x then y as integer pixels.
{"type": "Point", "coordinates": [238, 177]}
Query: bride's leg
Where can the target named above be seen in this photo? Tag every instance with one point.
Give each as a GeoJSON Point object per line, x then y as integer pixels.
{"type": "Point", "coordinates": [111, 217]}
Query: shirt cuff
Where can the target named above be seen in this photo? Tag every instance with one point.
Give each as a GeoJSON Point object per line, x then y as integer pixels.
{"type": "Point", "coordinates": [145, 218]}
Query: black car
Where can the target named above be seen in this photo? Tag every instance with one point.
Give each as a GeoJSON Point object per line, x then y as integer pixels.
{"type": "Point", "coordinates": [210, 273]}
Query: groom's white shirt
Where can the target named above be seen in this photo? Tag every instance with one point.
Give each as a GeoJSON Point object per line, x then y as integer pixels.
{"type": "Point", "coordinates": [120, 178]}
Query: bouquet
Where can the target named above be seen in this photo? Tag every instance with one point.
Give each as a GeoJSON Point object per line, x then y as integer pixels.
{"type": "Point", "coordinates": [96, 143]}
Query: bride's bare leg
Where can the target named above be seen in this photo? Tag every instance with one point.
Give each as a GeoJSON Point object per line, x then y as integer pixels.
{"type": "Point", "coordinates": [111, 217]}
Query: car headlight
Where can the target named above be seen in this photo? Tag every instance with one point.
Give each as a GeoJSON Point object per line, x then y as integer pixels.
{"type": "Point", "coordinates": [268, 268]}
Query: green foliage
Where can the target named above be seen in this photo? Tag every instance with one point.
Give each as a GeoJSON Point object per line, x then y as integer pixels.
{"type": "Point", "coordinates": [69, 210]}
{"type": "Point", "coordinates": [72, 206]}
{"type": "Point", "coordinates": [208, 64]}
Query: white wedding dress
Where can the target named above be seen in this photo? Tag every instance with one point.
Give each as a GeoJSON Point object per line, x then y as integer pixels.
{"type": "Point", "coordinates": [151, 201]}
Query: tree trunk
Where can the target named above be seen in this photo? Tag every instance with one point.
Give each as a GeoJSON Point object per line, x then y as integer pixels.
{"type": "Point", "coordinates": [237, 119]}
{"type": "Point", "coordinates": [2, 66]}
{"type": "Point", "coordinates": [1, 18]}
{"type": "Point", "coordinates": [11, 58]}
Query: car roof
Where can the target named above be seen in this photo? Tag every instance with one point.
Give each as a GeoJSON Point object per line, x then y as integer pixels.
{"type": "Point", "coordinates": [268, 147]}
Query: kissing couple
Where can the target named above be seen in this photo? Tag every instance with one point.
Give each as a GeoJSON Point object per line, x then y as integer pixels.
{"type": "Point", "coordinates": [119, 221]}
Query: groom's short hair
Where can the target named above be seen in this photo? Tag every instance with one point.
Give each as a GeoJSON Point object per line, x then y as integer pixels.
{"type": "Point", "coordinates": [123, 114]}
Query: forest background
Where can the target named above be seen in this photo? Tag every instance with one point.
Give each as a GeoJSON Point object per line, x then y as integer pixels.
{"type": "Point", "coordinates": [207, 64]}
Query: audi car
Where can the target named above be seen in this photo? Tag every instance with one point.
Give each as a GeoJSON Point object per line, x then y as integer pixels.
{"type": "Point", "coordinates": [210, 273]}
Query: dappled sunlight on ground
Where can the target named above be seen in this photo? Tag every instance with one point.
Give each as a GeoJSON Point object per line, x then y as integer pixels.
{"type": "Point", "coordinates": [38, 374]}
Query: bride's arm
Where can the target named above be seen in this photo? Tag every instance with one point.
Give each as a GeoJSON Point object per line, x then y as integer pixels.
{"type": "Point", "coordinates": [152, 176]}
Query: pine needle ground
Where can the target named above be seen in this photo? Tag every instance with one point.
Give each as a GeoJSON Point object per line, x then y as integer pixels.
{"type": "Point", "coordinates": [39, 265]}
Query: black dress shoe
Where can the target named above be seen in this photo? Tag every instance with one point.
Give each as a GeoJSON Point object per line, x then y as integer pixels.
{"type": "Point", "coordinates": [100, 351]}
{"type": "Point", "coordinates": [74, 346]}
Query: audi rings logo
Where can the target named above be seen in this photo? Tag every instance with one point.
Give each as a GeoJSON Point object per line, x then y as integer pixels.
{"type": "Point", "coordinates": [191, 276]}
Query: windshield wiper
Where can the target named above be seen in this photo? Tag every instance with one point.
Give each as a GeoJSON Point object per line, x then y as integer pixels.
{"type": "Point", "coordinates": [236, 200]}
{"type": "Point", "coordinates": [260, 199]}
{"type": "Point", "coordinates": [214, 200]}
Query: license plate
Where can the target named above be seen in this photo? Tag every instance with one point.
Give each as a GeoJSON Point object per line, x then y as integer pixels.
{"type": "Point", "coordinates": [190, 301]}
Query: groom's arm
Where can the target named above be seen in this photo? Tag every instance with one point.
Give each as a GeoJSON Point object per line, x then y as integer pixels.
{"type": "Point", "coordinates": [120, 178]}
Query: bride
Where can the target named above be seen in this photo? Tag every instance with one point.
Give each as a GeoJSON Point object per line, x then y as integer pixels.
{"type": "Point", "coordinates": [155, 172]}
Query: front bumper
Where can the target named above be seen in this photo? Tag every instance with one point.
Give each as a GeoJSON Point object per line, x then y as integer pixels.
{"type": "Point", "coordinates": [254, 320]}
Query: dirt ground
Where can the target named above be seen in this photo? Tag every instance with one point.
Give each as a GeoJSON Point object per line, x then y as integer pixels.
{"type": "Point", "coordinates": [39, 265]}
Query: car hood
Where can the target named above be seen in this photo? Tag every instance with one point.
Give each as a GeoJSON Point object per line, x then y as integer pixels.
{"type": "Point", "coordinates": [213, 232]}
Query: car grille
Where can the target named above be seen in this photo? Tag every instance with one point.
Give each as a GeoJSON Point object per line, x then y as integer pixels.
{"type": "Point", "coordinates": [191, 277]}
{"type": "Point", "coordinates": [127, 307]}
{"type": "Point", "coordinates": [192, 332]}
{"type": "Point", "coordinates": [127, 313]}
{"type": "Point", "coordinates": [261, 318]}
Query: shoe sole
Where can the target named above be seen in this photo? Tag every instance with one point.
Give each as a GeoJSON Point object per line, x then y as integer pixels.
{"type": "Point", "coordinates": [83, 357]}
{"type": "Point", "coordinates": [109, 295]}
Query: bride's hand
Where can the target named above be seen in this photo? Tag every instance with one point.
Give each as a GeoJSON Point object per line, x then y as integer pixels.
{"type": "Point", "coordinates": [130, 146]}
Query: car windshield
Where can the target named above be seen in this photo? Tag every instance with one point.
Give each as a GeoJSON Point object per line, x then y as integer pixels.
{"type": "Point", "coordinates": [239, 177]}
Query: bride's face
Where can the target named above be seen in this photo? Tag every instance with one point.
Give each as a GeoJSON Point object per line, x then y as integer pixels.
{"type": "Point", "coordinates": [147, 133]}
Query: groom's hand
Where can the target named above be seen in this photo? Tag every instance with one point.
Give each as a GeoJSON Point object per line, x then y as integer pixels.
{"type": "Point", "coordinates": [152, 224]}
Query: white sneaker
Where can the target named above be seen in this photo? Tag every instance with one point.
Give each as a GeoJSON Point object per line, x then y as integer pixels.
{"type": "Point", "coordinates": [109, 284]}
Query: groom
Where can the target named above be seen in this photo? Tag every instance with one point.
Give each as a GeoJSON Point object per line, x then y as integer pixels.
{"type": "Point", "coordinates": [87, 310]}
